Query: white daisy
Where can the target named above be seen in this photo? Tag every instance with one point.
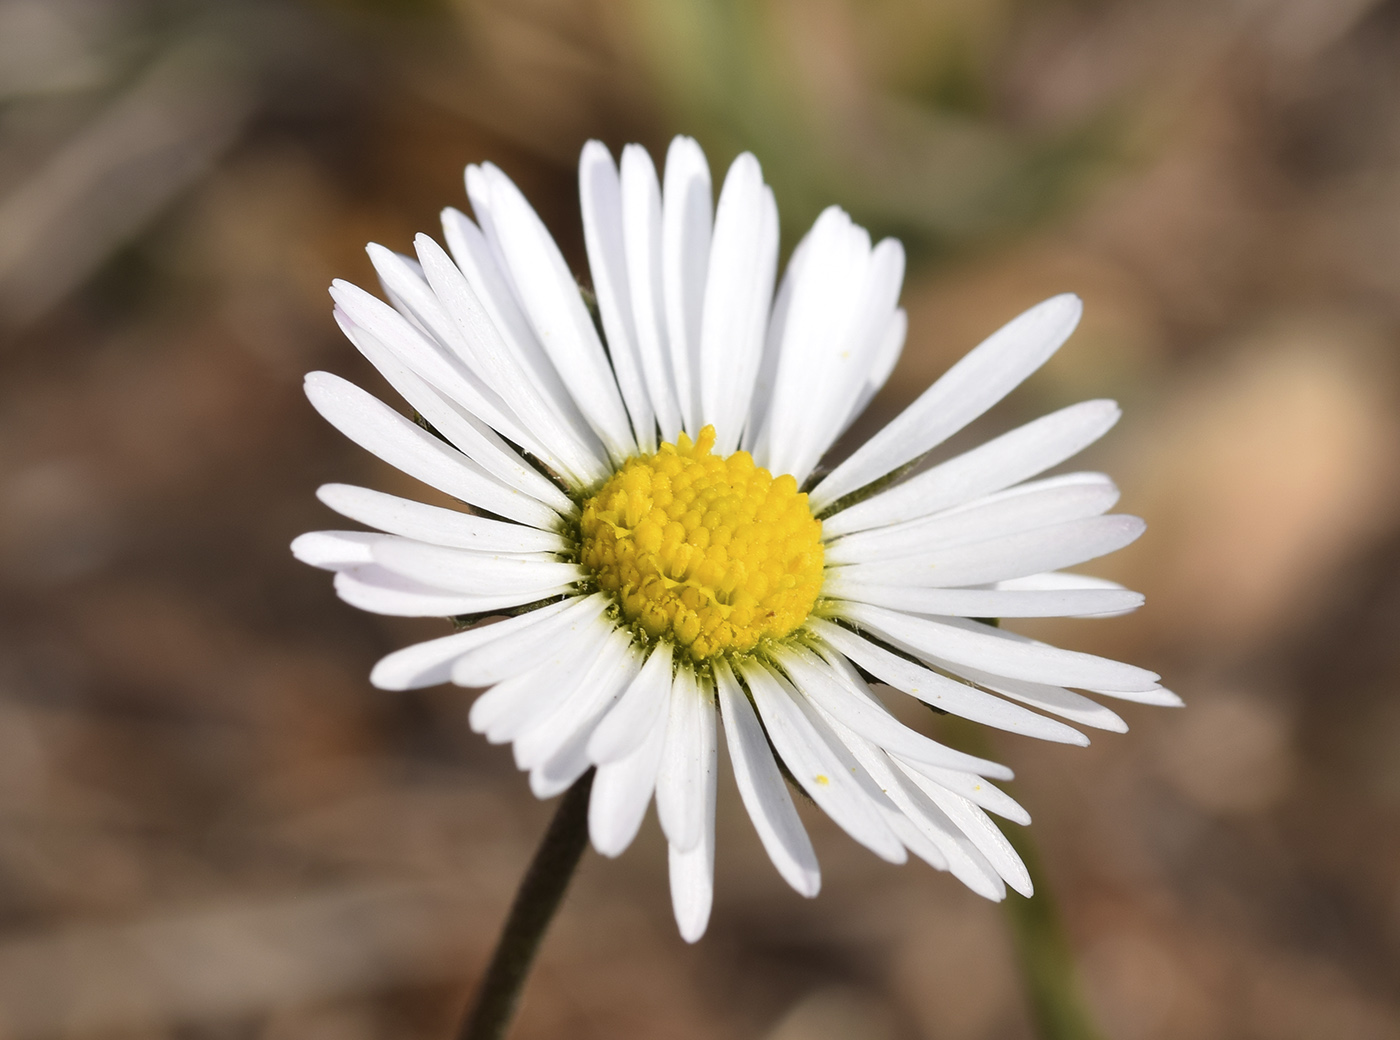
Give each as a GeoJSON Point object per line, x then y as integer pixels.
{"type": "Point", "coordinates": [636, 508]}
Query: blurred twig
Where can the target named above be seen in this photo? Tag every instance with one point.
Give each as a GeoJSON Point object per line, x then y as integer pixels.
{"type": "Point", "coordinates": [106, 183]}
{"type": "Point", "coordinates": [1043, 951]}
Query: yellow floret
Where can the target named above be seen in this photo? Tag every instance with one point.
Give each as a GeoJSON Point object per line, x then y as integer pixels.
{"type": "Point", "coordinates": [711, 553]}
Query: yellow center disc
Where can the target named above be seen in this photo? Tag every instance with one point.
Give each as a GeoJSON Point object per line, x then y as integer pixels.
{"type": "Point", "coordinates": [712, 553]}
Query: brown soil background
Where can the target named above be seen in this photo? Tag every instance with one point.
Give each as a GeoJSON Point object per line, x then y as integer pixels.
{"type": "Point", "coordinates": [211, 826]}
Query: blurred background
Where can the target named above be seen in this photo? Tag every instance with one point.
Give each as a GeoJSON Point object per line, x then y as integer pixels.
{"type": "Point", "coordinates": [211, 826]}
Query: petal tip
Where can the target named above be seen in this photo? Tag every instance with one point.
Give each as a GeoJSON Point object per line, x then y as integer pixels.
{"type": "Point", "coordinates": [594, 150]}
{"type": "Point", "coordinates": [383, 678]}
{"type": "Point", "coordinates": [605, 847]}
{"type": "Point", "coordinates": [316, 382]}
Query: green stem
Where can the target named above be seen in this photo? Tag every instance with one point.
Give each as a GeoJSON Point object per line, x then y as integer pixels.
{"type": "Point", "coordinates": [541, 891]}
{"type": "Point", "coordinates": [1043, 949]}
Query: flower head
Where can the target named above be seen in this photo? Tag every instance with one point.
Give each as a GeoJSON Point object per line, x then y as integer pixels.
{"type": "Point", "coordinates": [644, 507]}
{"type": "Point", "coordinates": [709, 553]}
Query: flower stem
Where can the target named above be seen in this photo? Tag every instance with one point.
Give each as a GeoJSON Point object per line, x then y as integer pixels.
{"type": "Point", "coordinates": [1043, 951]}
{"type": "Point", "coordinates": [541, 891]}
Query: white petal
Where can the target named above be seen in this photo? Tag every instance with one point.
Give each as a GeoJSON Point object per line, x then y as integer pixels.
{"type": "Point", "coordinates": [976, 790]}
{"type": "Point", "coordinates": [555, 745]}
{"type": "Point", "coordinates": [825, 298]}
{"type": "Point", "coordinates": [480, 192]}
{"type": "Point", "coordinates": [1149, 693]}
{"type": "Point", "coordinates": [693, 879]}
{"type": "Point", "coordinates": [634, 716]}
{"type": "Point", "coordinates": [973, 822]}
{"type": "Point", "coordinates": [478, 259]}
{"type": "Point", "coordinates": [915, 840]}
{"type": "Point", "coordinates": [476, 574]}
{"type": "Point", "coordinates": [450, 360]}
{"type": "Point", "coordinates": [873, 343]}
{"type": "Point", "coordinates": [622, 789]}
{"type": "Point", "coordinates": [335, 550]}
{"type": "Point", "coordinates": [430, 663]}
{"type": "Point", "coordinates": [985, 603]}
{"type": "Point", "coordinates": [401, 278]}
{"type": "Point", "coordinates": [550, 298]}
{"type": "Point", "coordinates": [962, 641]}
{"type": "Point", "coordinates": [841, 309]}
{"type": "Point", "coordinates": [380, 591]}
{"type": "Point", "coordinates": [1060, 581]}
{"type": "Point", "coordinates": [1160, 696]}
{"type": "Point", "coordinates": [938, 690]}
{"type": "Point", "coordinates": [688, 763]}
{"type": "Point", "coordinates": [559, 773]}
{"type": "Point", "coordinates": [850, 675]}
{"type": "Point", "coordinates": [511, 706]}
{"type": "Point", "coordinates": [1009, 556]}
{"type": "Point", "coordinates": [882, 365]}
{"type": "Point", "coordinates": [955, 849]}
{"type": "Point", "coordinates": [406, 287]}
{"type": "Point", "coordinates": [964, 860]}
{"type": "Point", "coordinates": [738, 291]}
{"type": "Point", "coordinates": [1006, 460]}
{"type": "Point", "coordinates": [443, 365]}
{"type": "Point", "coordinates": [1055, 581]}
{"type": "Point", "coordinates": [819, 762]}
{"type": "Point", "coordinates": [560, 770]}
{"type": "Point", "coordinates": [840, 699]}
{"type": "Point", "coordinates": [468, 434]}
{"type": "Point", "coordinates": [641, 232]}
{"type": "Point", "coordinates": [766, 381]}
{"type": "Point", "coordinates": [520, 649]}
{"type": "Point", "coordinates": [1040, 503]}
{"type": "Point", "coordinates": [411, 268]}
{"type": "Point", "coordinates": [1054, 699]}
{"type": "Point", "coordinates": [382, 431]}
{"type": "Point", "coordinates": [763, 789]}
{"type": "Point", "coordinates": [539, 683]}
{"type": "Point", "coordinates": [577, 715]}
{"type": "Point", "coordinates": [686, 217]}
{"type": "Point", "coordinates": [434, 524]}
{"type": "Point", "coordinates": [965, 391]}
{"type": "Point", "coordinates": [600, 198]}
{"type": "Point", "coordinates": [513, 365]}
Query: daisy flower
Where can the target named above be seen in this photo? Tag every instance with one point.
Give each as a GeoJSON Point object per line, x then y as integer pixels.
{"type": "Point", "coordinates": [642, 504]}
